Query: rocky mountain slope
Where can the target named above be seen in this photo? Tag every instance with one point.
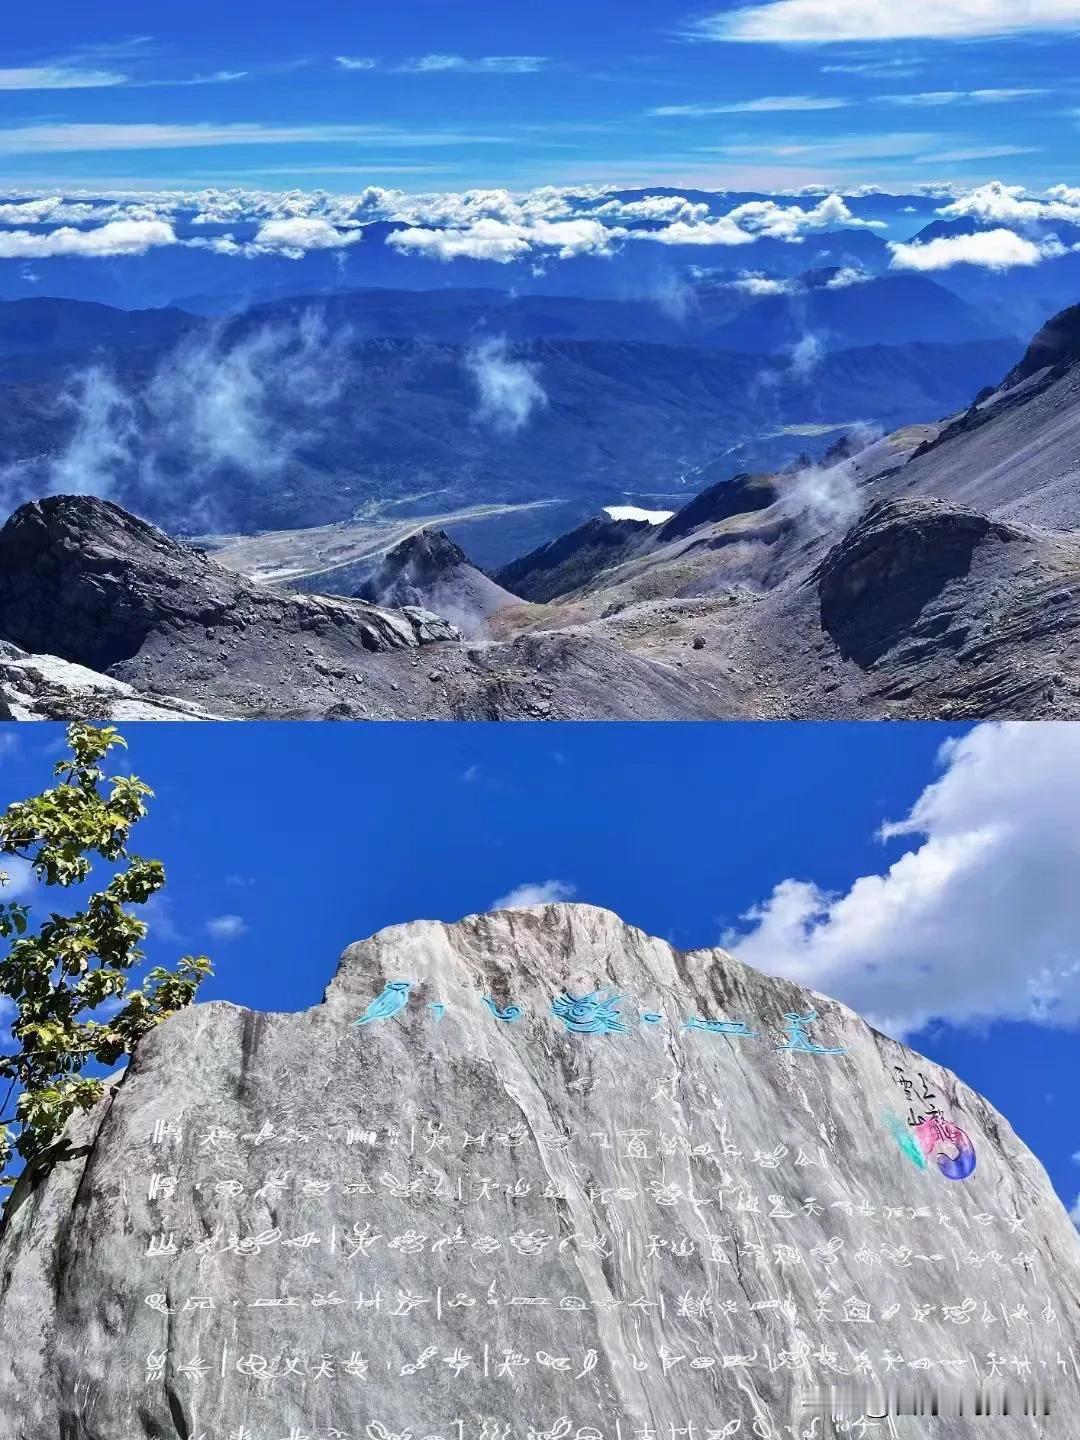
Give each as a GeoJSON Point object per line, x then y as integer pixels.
{"type": "Point", "coordinates": [430, 571]}
{"type": "Point", "coordinates": [434, 1204]}
{"type": "Point", "coordinates": [932, 573]}
{"type": "Point", "coordinates": [84, 581]}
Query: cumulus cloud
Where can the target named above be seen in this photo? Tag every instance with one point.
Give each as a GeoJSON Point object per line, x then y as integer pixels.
{"type": "Point", "coordinates": [746, 222]}
{"type": "Point", "coordinates": [978, 920]}
{"type": "Point", "coordinates": [116, 237]}
{"type": "Point", "coordinates": [720, 230]}
{"type": "Point", "coordinates": [508, 389]}
{"type": "Point", "coordinates": [755, 284]}
{"type": "Point", "coordinates": [996, 203]}
{"type": "Point", "coordinates": [296, 236]}
{"type": "Point", "coordinates": [539, 892]}
{"type": "Point", "coordinates": [847, 275]}
{"type": "Point", "coordinates": [821, 21]}
{"type": "Point", "coordinates": [993, 249]}
{"type": "Point", "coordinates": [226, 927]}
{"type": "Point", "coordinates": [504, 241]}
{"type": "Point", "coordinates": [653, 207]}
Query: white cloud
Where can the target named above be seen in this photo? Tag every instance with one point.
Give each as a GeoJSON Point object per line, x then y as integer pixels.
{"type": "Point", "coordinates": [1013, 205]}
{"type": "Point", "coordinates": [20, 880]}
{"type": "Point", "coordinates": [979, 920]}
{"type": "Point", "coordinates": [970, 97]}
{"type": "Point", "coordinates": [59, 77]}
{"type": "Point", "coordinates": [993, 249]}
{"type": "Point", "coordinates": [847, 275]}
{"type": "Point", "coordinates": [760, 217]}
{"type": "Point", "coordinates": [503, 241]}
{"type": "Point", "coordinates": [356, 62]}
{"type": "Point", "coordinates": [78, 138]}
{"type": "Point", "coordinates": [294, 237]}
{"type": "Point", "coordinates": [766, 104]}
{"type": "Point", "coordinates": [653, 207]}
{"type": "Point", "coordinates": [823, 21]}
{"type": "Point", "coordinates": [541, 892]}
{"type": "Point", "coordinates": [226, 927]}
{"type": "Point", "coordinates": [754, 284]}
{"type": "Point", "coordinates": [719, 231]}
{"type": "Point", "coordinates": [981, 152]}
{"type": "Point", "coordinates": [1074, 1213]}
{"type": "Point", "coordinates": [509, 391]}
{"type": "Point", "coordinates": [117, 237]}
{"type": "Point", "coordinates": [481, 65]}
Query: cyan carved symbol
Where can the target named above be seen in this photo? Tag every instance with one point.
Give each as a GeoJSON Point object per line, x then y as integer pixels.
{"type": "Point", "coordinates": [392, 999]}
{"type": "Point", "coordinates": [507, 1016]}
{"type": "Point", "coordinates": [437, 1008]}
{"type": "Point", "coordinates": [719, 1027]}
{"type": "Point", "coordinates": [593, 1014]}
{"type": "Point", "coordinates": [651, 1017]}
{"type": "Point", "coordinates": [796, 1027]}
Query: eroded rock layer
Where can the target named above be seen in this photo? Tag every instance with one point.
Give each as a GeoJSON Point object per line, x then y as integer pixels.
{"type": "Point", "coordinates": [560, 1180]}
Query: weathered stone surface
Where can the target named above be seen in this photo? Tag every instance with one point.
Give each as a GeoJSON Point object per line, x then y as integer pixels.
{"type": "Point", "coordinates": [44, 687]}
{"type": "Point", "coordinates": [83, 579]}
{"type": "Point", "coordinates": [469, 1219]}
{"type": "Point", "coordinates": [428, 569]}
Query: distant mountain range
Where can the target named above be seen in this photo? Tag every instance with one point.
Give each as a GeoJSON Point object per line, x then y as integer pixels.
{"type": "Point", "coordinates": [933, 572]}
{"type": "Point", "coordinates": [303, 412]}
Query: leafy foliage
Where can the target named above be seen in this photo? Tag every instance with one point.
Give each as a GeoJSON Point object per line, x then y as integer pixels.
{"type": "Point", "coordinates": [69, 981]}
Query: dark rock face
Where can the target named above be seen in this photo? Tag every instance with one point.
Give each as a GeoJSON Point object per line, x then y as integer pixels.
{"type": "Point", "coordinates": [1057, 343]}
{"type": "Point", "coordinates": [742, 494]}
{"type": "Point", "coordinates": [875, 584]}
{"type": "Point", "coordinates": [560, 1179]}
{"type": "Point", "coordinates": [428, 570]}
{"type": "Point", "coordinates": [83, 579]}
{"type": "Point", "coordinates": [574, 559]}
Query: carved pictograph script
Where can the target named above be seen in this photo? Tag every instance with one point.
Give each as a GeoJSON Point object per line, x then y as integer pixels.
{"type": "Point", "coordinates": [385, 1273]}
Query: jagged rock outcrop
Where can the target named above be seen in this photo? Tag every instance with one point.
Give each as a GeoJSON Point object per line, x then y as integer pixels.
{"type": "Point", "coordinates": [430, 571]}
{"type": "Point", "coordinates": [44, 687]}
{"type": "Point", "coordinates": [84, 579]}
{"type": "Point", "coordinates": [1057, 343]}
{"type": "Point", "coordinates": [739, 495]}
{"type": "Point", "coordinates": [574, 559]}
{"type": "Point", "coordinates": [532, 1174]}
{"type": "Point", "coordinates": [899, 556]}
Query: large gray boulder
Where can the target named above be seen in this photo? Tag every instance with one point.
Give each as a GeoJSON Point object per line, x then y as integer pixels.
{"type": "Point", "coordinates": [562, 1182]}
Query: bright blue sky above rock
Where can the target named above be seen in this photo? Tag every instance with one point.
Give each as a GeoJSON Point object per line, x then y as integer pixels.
{"type": "Point", "coordinates": [430, 95]}
{"type": "Point", "coordinates": [933, 889]}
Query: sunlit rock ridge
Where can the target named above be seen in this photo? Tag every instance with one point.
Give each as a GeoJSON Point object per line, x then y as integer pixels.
{"type": "Point", "coordinates": [533, 1174]}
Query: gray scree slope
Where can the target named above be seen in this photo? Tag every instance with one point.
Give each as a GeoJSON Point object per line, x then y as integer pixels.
{"type": "Point", "coordinates": [451, 1222]}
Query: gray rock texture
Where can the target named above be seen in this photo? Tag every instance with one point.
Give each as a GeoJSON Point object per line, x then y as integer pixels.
{"type": "Point", "coordinates": [82, 580]}
{"type": "Point", "coordinates": [429, 570]}
{"type": "Point", "coordinates": [44, 687]}
{"type": "Point", "coordinates": [533, 1195]}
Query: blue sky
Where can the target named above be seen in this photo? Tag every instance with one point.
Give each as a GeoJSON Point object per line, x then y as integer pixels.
{"type": "Point", "coordinates": [429, 94]}
{"type": "Point", "coordinates": [284, 843]}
